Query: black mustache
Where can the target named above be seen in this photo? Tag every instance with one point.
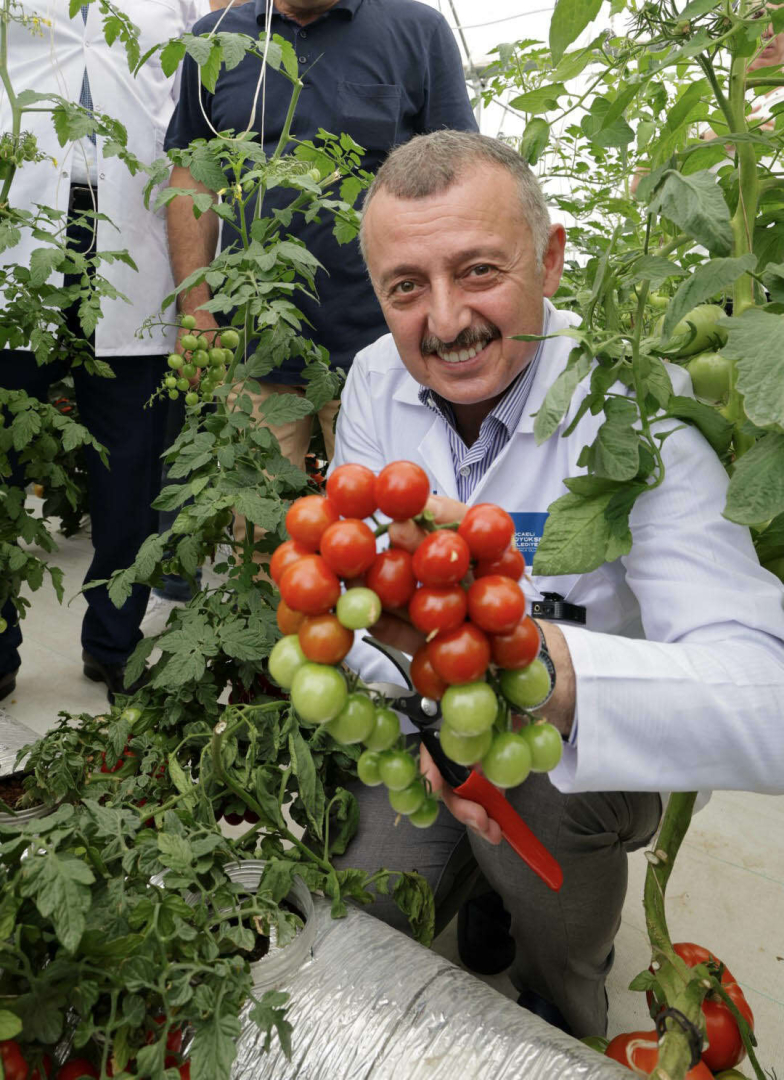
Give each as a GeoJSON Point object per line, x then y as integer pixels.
{"type": "Point", "coordinates": [466, 339]}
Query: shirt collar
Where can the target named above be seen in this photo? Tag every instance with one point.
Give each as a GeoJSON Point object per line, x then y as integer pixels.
{"type": "Point", "coordinates": [347, 8]}
{"type": "Point", "coordinates": [509, 410]}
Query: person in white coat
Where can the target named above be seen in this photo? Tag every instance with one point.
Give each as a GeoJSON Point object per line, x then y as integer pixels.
{"type": "Point", "coordinates": [70, 57]}
{"type": "Point", "coordinates": [676, 680]}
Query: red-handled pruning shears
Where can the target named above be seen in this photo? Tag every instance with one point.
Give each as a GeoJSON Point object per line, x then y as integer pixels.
{"type": "Point", "coordinates": [466, 783]}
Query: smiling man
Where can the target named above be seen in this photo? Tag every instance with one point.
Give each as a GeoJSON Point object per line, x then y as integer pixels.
{"type": "Point", "coordinates": [462, 257]}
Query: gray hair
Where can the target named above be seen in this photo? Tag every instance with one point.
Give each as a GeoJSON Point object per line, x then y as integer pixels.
{"type": "Point", "coordinates": [430, 164]}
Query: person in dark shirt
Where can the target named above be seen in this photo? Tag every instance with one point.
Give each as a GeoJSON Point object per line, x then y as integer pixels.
{"type": "Point", "coordinates": [379, 70]}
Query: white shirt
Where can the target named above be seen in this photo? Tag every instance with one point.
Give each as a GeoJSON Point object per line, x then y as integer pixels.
{"type": "Point", "coordinates": [680, 668]}
{"type": "Point", "coordinates": [54, 62]}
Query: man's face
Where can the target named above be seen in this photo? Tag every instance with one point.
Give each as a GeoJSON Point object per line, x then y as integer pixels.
{"type": "Point", "coordinates": [304, 9]}
{"type": "Point", "coordinates": [771, 47]}
{"type": "Point", "coordinates": [456, 275]}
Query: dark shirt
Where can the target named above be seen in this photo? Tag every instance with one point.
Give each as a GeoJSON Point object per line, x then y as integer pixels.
{"type": "Point", "coordinates": [380, 70]}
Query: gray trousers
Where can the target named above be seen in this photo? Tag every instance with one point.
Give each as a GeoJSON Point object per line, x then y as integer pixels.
{"type": "Point", "coordinates": [564, 940]}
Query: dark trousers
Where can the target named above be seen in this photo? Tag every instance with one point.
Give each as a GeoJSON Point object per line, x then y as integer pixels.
{"type": "Point", "coordinates": [120, 497]}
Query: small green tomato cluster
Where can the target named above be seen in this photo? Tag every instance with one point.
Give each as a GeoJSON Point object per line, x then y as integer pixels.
{"type": "Point", "coordinates": [199, 354]}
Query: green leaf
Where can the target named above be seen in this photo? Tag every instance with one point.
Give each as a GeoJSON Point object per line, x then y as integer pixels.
{"type": "Point", "coordinates": [241, 641]}
{"type": "Point", "coordinates": [710, 422]}
{"type": "Point", "coordinates": [559, 395]}
{"type": "Point", "coordinates": [43, 261]}
{"type": "Point", "coordinates": [414, 897]}
{"type": "Point", "coordinates": [267, 783]}
{"type": "Point", "coordinates": [10, 1025]}
{"type": "Point", "coordinates": [755, 341]}
{"type": "Point", "coordinates": [175, 851]}
{"type": "Point", "coordinates": [708, 279]}
{"type": "Point", "coordinates": [543, 99]}
{"type": "Point", "coordinates": [285, 408]}
{"type": "Point", "coordinates": [656, 269]}
{"type": "Point", "coordinates": [59, 885]}
{"type": "Point", "coordinates": [534, 140]}
{"type": "Point", "coordinates": [171, 56]}
{"type": "Point", "coordinates": [646, 980]}
{"type": "Point", "coordinates": [267, 513]}
{"type": "Point", "coordinates": [773, 279]}
{"type": "Point", "coordinates": [343, 821]}
{"type": "Point", "coordinates": [756, 491]}
{"type": "Point", "coordinates": [569, 20]}
{"type": "Point", "coordinates": [270, 1016]}
{"type": "Point", "coordinates": [311, 790]}
{"type": "Point", "coordinates": [696, 204]}
{"type": "Point", "coordinates": [615, 452]}
{"type": "Point", "coordinates": [204, 168]}
{"type": "Point", "coordinates": [578, 537]}
{"type": "Point", "coordinates": [770, 543]}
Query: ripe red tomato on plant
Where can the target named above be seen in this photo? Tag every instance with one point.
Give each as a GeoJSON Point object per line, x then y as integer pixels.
{"type": "Point", "coordinates": [173, 1038]}
{"type": "Point", "coordinates": [517, 649]}
{"type": "Point", "coordinates": [78, 1067]}
{"type": "Point", "coordinates": [488, 531]}
{"type": "Point", "coordinates": [325, 640]}
{"type": "Point", "coordinates": [639, 1051]}
{"type": "Point", "coordinates": [402, 490]}
{"type": "Point", "coordinates": [348, 547]}
{"type": "Point", "coordinates": [424, 676]}
{"type": "Point", "coordinates": [460, 656]}
{"type": "Point", "coordinates": [351, 488]}
{"type": "Point", "coordinates": [308, 517]}
{"type": "Point", "coordinates": [496, 604]}
{"type": "Point", "coordinates": [442, 558]}
{"type": "Point", "coordinates": [288, 621]}
{"type": "Point", "coordinates": [725, 1047]}
{"type": "Point", "coordinates": [438, 608]}
{"type": "Point", "coordinates": [14, 1065]}
{"type": "Point", "coordinates": [511, 564]}
{"type": "Point", "coordinates": [283, 556]}
{"type": "Point", "coordinates": [391, 578]}
{"type": "Point", "coordinates": [42, 1071]}
{"type": "Point", "coordinates": [124, 758]}
{"type": "Point", "coordinates": [309, 585]}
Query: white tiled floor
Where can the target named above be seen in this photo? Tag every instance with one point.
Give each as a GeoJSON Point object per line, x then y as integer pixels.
{"type": "Point", "coordinates": [727, 890]}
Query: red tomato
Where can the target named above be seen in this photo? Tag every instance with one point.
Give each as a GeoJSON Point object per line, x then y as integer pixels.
{"type": "Point", "coordinates": [173, 1039]}
{"type": "Point", "coordinates": [324, 640]}
{"type": "Point", "coordinates": [14, 1064]}
{"type": "Point", "coordinates": [348, 547]}
{"type": "Point", "coordinates": [426, 680]}
{"type": "Point", "coordinates": [461, 655]}
{"type": "Point", "coordinates": [351, 488]}
{"type": "Point", "coordinates": [45, 1070]}
{"type": "Point", "coordinates": [496, 604]}
{"type": "Point", "coordinates": [437, 609]}
{"type": "Point", "coordinates": [310, 586]}
{"type": "Point", "coordinates": [391, 578]}
{"type": "Point", "coordinates": [288, 621]}
{"type": "Point", "coordinates": [518, 648]}
{"type": "Point", "coordinates": [725, 1043]}
{"type": "Point", "coordinates": [402, 489]}
{"type": "Point", "coordinates": [511, 564]}
{"type": "Point", "coordinates": [639, 1051]}
{"type": "Point", "coordinates": [307, 519]}
{"type": "Point", "coordinates": [77, 1067]}
{"type": "Point", "coordinates": [126, 756]}
{"type": "Point", "coordinates": [442, 558]}
{"type": "Point", "coordinates": [488, 531]}
{"type": "Point", "coordinates": [283, 556]}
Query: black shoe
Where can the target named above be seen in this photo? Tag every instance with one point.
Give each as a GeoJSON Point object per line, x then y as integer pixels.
{"type": "Point", "coordinates": [8, 683]}
{"type": "Point", "coordinates": [483, 939]}
{"type": "Point", "coordinates": [540, 1006]}
{"type": "Point", "coordinates": [113, 675]}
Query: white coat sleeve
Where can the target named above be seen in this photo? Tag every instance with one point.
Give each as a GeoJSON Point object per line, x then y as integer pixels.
{"type": "Point", "coordinates": [699, 703]}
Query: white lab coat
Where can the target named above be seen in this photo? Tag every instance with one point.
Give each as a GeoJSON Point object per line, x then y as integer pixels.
{"type": "Point", "coordinates": [54, 62]}
{"type": "Point", "coordinates": [680, 668]}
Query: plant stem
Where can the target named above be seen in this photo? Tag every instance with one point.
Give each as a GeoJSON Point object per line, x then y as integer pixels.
{"type": "Point", "coordinates": [16, 112]}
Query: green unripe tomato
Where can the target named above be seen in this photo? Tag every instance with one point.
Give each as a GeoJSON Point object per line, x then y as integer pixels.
{"type": "Point", "coordinates": [470, 708]}
{"type": "Point", "coordinates": [397, 769]}
{"type": "Point", "coordinates": [656, 300]}
{"type": "Point", "coordinates": [409, 800]}
{"type": "Point", "coordinates": [318, 693]}
{"type": "Point", "coordinates": [216, 357]}
{"type": "Point", "coordinates": [355, 720]}
{"type": "Point", "coordinates": [189, 343]}
{"type": "Point", "coordinates": [385, 731]}
{"type": "Point", "coordinates": [508, 761]}
{"type": "Point", "coordinates": [230, 339]}
{"type": "Point", "coordinates": [425, 816]}
{"type": "Point", "coordinates": [367, 768]}
{"type": "Point", "coordinates": [171, 382]}
{"type": "Point", "coordinates": [545, 743]}
{"type": "Point", "coordinates": [528, 687]}
{"type": "Point", "coordinates": [218, 372]}
{"type": "Point", "coordinates": [201, 358]}
{"type": "Point", "coordinates": [173, 395]}
{"type": "Point", "coordinates": [710, 375]}
{"type": "Point", "coordinates": [175, 361]}
{"type": "Point", "coordinates": [191, 398]}
{"type": "Point", "coordinates": [187, 322]}
{"type": "Point", "coordinates": [464, 749]}
{"type": "Point", "coordinates": [358, 608]}
{"type": "Point", "coordinates": [285, 660]}
{"type": "Point", "coordinates": [183, 384]}
{"type": "Point", "coordinates": [707, 335]}
{"type": "Point", "coordinates": [188, 370]}
{"type": "Point", "coordinates": [3, 625]}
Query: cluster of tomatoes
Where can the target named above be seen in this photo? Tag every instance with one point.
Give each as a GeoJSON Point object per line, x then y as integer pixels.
{"type": "Point", "coordinates": [481, 655]}
{"type": "Point", "coordinates": [25, 1063]}
{"type": "Point", "coordinates": [199, 354]}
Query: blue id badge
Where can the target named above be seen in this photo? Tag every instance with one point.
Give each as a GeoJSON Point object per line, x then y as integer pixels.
{"type": "Point", "coordinates": [528, 532]}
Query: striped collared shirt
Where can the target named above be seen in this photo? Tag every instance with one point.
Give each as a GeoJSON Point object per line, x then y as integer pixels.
{"type": "Point", "coordinates": [470, 463]}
